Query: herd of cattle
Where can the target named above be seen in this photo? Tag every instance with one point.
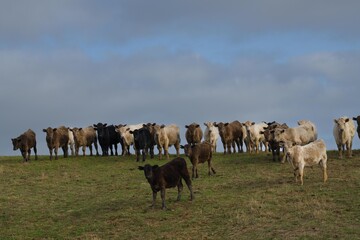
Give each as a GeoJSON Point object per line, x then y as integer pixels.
{"type": "Point", "coordinates": [300, 145]}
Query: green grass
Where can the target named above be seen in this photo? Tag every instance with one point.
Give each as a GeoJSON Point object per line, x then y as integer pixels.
{"type": "Point", "coordinates": [250, 197]}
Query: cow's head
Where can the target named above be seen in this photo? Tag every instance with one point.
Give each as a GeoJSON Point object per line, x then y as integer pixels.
{"type": "Point", "coordinates": [187, 149]}
{"type": "Point", "coordinates": [16, 143]}
{"type": "Point", "coordinates": [341, 123]}
{"type": "Point", "coordinates": [148, 171]}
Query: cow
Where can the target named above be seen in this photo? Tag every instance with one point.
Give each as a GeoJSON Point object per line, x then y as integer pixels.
{"type": "Point", "coordinates": [108, 137]}
{"type": "Point", "coordinates": [128, 139]}
{"type": "Point", "coordinates": [299, 135]}
{"type": "Point", "coordinates": [193, 133]}
{"type": "Point", "coordinates": [57, 138]}
{"type": "Point", "coordinates": [166, 136]}
{"type": "Point", "coordinates": [151, 128]}
{"type": "Point", "coordinates": [71, 142]}
{"type": "Point", "coordinates": [308, 155]}
{"type": "Point", "coordinates": [25, 142]}
{"type": "Point", "coordinates": [85, 137]}
{"type": "Point", "coordinates": [274, 146]}
{"type": "Point", "coordinates": [168, 175]}
{"type": "Point", "coordinates": [344, 132]}
{"type": "Point", "coordinates": [211, 135]}
{"type": "Point", "coordinates": [231, 133]}
{"type": "Point", "coordinates": [199, 153]}
{"type": "Point", "coordinates": [255, 135]}
{"type": "Point", "coordinates": [357, 119]}
{"type": "Point", "coordinates": [311, 129]}
{"type": "Point", "coordinates": [142, 141]}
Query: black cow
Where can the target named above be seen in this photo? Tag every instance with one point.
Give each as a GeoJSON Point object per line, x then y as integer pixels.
{"type": "Point", "coordinates": [107, 138]}
{"type": "Point", "coordinates": [168, 175]}
{"type": "Point", "coordinates": [142, 141]}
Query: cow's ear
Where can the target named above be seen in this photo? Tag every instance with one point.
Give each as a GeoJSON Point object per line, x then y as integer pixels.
{"type": "Point", "coordinates": [141, 168]}
{"type": "Point", "coordinates": [186, 126]}
{"type": "Point", "coordinates": [153, 124]}
{"type": "Point", "coordinates": [94, 125]}
{"type": "Point", "coordinates": [144, 125]}
{"type": "Point", "coordinates": [336, 121]}
{"type": "Point", "coordinates": [155, 167]}
{"type": "Point", "coordinates": [346, 120]}
{"type": "Point", "coordinates": [262, 132]}
{"type": "Point", "coordinates": [162, 126]}
{"type": "Point", "coordinates": [253, 123]}
{"type": "Point", "coordinates": [226, 124]}
{"type": "Point", "coordinates": [80, 129]}
{"type": "Point", "coordinates": [197, 125]}
{"type": "Point", "coordinates": [182, 146]}
{"type": "Point", "coordinates": [54, 129]}
{"type": "Point", "coordinates": [354, 118]}
{"type": "Point", "coordinates": [105, 124]}
{"type": "Point", "coordinates": [132, 132]}
{"type": "Point", "coordinates": [44, 130]}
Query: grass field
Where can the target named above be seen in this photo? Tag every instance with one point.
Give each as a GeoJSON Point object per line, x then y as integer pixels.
{"type": "Point", "coordinates": [250, 197]}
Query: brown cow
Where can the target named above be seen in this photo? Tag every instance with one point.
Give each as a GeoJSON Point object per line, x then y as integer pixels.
{"type": "Point", "coordinates": [85, 137]}
{"type": "Point", "coordinates": [231, 133]}
{"type": "Point", "coordinates": [193, 133]}
{"type": "Point", "coordinates": [25, 142]}
{"type": "Point", "coordinates": [56, 138]}
{"type": "Point", "coordinates": [168, 175]}
{"type": "Point", "coordinates": [199, 153]}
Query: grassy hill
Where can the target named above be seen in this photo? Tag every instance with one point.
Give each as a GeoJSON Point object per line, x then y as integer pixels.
{"type": "Point", "coordinates": [250, 197]}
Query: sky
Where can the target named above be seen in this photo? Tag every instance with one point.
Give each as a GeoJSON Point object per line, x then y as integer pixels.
{"type": "Point", "coordinates": [80, 62]}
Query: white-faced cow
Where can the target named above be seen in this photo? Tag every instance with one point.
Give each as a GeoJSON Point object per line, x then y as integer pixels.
{"type": "Point", "coordinates": [25, 142]}
{"type": "Point", "coordinates": [211, 134]}
{"type": "Point", "coordinates": [344, 132]}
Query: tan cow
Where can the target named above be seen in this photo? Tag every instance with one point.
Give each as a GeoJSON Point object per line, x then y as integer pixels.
{"type": "Point", "coordinates": [231, 133]}
{"type": "Point", "coordinates": [85, 137]}
{"type": "Point", "coordinates": [311, 154]}
{"type": "Point", "coordinates": [344, 132]}
{"type": "Point", "coordinates": [166, 136]}
{"type": "Point", "coordinates": [57, 138]}
{"type": "Point", "coordinates": [255, 135]}
{"type": "Point", "coordinates": [25, 142]}
{"type": "Point", "coordinates": [193, 133]}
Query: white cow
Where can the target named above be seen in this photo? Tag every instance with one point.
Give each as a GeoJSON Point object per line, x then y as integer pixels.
{"type": "Point", "coordinates": [126, 136]}
{"type": "Point", "coordinates": [308, 155]}
{"type": "Point", "coordinates": [71, 142]}
{"type": "Point", "coordinates": [166, 136]}
{"type": "Point", "coordinates": [255, 135]}
{"type": "Point", "coordinates": [211, 135]}
{"type": "Point", "coordinates": [344, 132]}
{"type": "Point", "coordinates": [310, 128]}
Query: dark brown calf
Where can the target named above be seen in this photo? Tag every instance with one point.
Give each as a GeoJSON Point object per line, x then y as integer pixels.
{"type": "Point", "coordinates": [25, 142]}
{"type": "Point", "coordinates": [168, 175]}
{"type": "Point", "coordinates": [199, 153]}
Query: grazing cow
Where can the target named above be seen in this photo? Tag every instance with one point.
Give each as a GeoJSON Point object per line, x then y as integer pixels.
{"type": "Point", "coordinates": [151, 128]}
{"type": "Point", "coordinates": [166, 136]}
{"type": "Point", "coordinates": [357, 119]}
{"type": "Point", "coordinates": [211, 135]}
{"type": "Point", "coordinates": [108, 138]}
{"type": "Point", "coordinates": [126, 136]}
{"type": "Point", "coordinates": [57, 138]}
{"type": "Point", "coordinates": [71, 142]}
{"type": "Point", "coordinates": [307, 155]}
{"type": "Point", "coordinates": [274, 146]}
{"type": "Point", "coordinates": [25, 142]}
{"type": "Point", "coordinates": [255, 135]}
{"type": "Point", "coordinates": [199, 153]}
{"type": "Point", "coordinates": [85, 137]}
{"type": "Point", "coordinates": [344, 132]}
{"type": "Point", "coordinates": [193, 133]}
{"type": "Point", "coordinates": [142, 141]}
{"type": "Point", "coordinates": [231, 133]}
{"type": "Point", "coordinates": [168, 175]}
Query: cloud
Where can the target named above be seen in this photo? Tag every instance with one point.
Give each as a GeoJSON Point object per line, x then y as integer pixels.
{"type": "Point", "coordinates": [83, 62]}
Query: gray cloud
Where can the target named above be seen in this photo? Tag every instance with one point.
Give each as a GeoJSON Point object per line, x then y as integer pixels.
{"type": "Point", "coordinates": [61, 64]}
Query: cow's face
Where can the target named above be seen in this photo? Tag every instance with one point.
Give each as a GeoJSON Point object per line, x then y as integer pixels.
{"type": "Point", "coordinates": [76, 132]}
{"type": "Point", "coordinates": [341, 123]}
{"type": "Point", "coordinates": [100, 128]}
{"type": "Point", "coordinates": [148, 171]}
{"type": "Point", "coordinates": [136, 134]}
{"type": "Point", "coordinates": [16, 143]}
